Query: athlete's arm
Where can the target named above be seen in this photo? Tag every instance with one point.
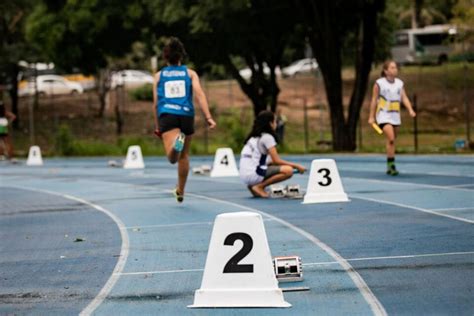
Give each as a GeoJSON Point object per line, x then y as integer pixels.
{"type": "Point", "coordinates": [406, 102]}
{"type": "Point", "coordinates": [278, 161]}
{"type": "Point", "coordinates": [373, 103]}
{"type": "Point", "coordinates": [201, 98]}
{"type": "Point", "coordinates": [155, 101]}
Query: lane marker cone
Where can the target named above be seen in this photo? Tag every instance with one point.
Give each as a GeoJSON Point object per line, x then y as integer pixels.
{"type": "Point", "coordinates": [224, 164]}
{"type": "Point", "coordinates": [324, 183]}
{"type": "Point", "coordinates": [134, 158]}
{"type": "Point", "coordinates": [34, 157]}
{"type": "Point", "coordinates": [239, 271]}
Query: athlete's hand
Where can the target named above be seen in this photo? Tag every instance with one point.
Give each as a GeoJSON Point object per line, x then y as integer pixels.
{"type": "Point", "coordinates": [412, 113]}
{"type": "Point", "coordinates": [301, 169]}
{"type": "Point", "coordinates": [371, 120]}
{"type": "Point", "coordinates": [157, 133]}
{"type": "Point", "coordinates": [211, 123]}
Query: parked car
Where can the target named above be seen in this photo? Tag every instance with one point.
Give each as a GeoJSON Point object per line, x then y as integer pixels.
{"type": "Point", "coordinates": [246, 73]}
{"type": "Point", "coordinates": [301, 66]}
{"type": "Point", "coordinates": [51, 85]}
{"type": "Point", "coordinates": [131, 78]}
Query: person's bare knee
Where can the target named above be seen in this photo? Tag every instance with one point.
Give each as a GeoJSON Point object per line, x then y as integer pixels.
{"type": "Point", "coordinates": [286, 170]}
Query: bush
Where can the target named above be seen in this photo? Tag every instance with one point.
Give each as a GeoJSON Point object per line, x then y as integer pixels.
{"type": "Point", "coordinates": [143, 93]}
{"type": "Point", "coordinates": [64, 141]}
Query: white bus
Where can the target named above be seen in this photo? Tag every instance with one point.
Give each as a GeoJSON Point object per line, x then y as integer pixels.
{"type": "Point", "coordinates": [430, 44]}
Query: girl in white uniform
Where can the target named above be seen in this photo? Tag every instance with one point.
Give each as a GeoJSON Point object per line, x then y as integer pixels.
{"type": "Point", "coordinates": [387, 94]}
{"type": "Point", "coordinates": [260, 164]}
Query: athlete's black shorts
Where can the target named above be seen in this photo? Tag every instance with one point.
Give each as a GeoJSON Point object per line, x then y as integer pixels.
{"type": "Point", "coordinates": [169, 121]}
{"type": "Point", "coordinates": [381, 125]}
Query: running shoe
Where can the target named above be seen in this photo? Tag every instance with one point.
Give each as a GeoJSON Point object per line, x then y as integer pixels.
{"type": "Point", "coordinates": [179, 196]}
{"type": "Point", "coordinates": [392, 171]}
{"type": "Point", "coordinates": [179, 143]}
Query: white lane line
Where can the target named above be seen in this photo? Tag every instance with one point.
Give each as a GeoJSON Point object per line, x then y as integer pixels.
{"type": "Point", "coordinates": [168, 225]}
{"type": "Point", "coordinates": [160, 272]}
{"type": "Point", "coordinates": [403, 183]}
{"type": "Point", "coordinates": [393, 258]}
{"type": "Point", "coordinates": [413, 208]}
{"type": "Point", "coordinates": [122, 259]}
{"type": "Point", "coordinates": [453, 209]}
{"type": "Point", "coordinates": [178, 224]}
{"type": "Point", "coordinates": [462, 185]}
{"type": "Point", "coordinates": [322, 263]}
{"type": "Point", "coordinates": [364, 289]}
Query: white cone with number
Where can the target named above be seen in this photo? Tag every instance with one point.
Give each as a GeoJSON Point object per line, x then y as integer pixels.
{"type": "Point", "coordinates": [34, 157]}
{"type": "Point", "coordinates": [239, 270]}
{"type": "Point", "coordinates": [134, 158]}
{"type": "Point", "coordinates": [324, 184]}
{"type": "Point", "coordinates": [224, 164]}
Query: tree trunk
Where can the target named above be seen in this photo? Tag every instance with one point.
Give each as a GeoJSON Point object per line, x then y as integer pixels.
{"type": "Point", "coordinates": [15, 69]}
{"type": "Point", "coordinates": [320, 18]}
{"type": "Point", "coordinates": [260, 90]}
{"type": "Point", "coordinates": [103, 87]}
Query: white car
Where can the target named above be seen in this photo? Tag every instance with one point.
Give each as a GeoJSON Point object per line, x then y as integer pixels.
{"type": "Point", "coordinates": [301, 66]}
{"type": "Point", "coordinates": [246, 73]}
{"type": "Point", "coordinates": [131, 78]}
{"type": "Point", "coordinates": [52, 85]}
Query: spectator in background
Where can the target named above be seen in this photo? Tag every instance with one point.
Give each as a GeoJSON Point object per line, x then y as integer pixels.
{"type": "Point", "coordinates": [6, 117]}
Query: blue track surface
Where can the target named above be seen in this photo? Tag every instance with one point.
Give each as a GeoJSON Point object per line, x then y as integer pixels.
{"type": "Point", "coordinates": [409, 239]}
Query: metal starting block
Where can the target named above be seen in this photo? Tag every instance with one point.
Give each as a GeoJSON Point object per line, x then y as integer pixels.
{"type": "Point", "coordinates": [277, 191]}
{"type": "Point", "coordinates": [293, 190]}
{"type": "Point", "coordinates": [114, 163]}
{"type": "Point", "coordinates": [202, 170]}
{"type": "Point", "coordinates": [288, 269]}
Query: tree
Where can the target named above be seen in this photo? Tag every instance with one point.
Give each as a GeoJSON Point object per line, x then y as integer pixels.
{"type": "Point", "coordinates": [83, 34]}
{"type": "Point", "coordinates": [13, 46]}
{"type": "Point", "coordinates": [255, 32]}
{"type": "Point", "coordinates": [328, 23]}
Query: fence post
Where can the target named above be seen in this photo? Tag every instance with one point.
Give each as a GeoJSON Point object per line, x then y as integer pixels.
{"type": "Point", "coordinates": [306, 136]}
{"type": "Point", "coordinates": [415, 122]}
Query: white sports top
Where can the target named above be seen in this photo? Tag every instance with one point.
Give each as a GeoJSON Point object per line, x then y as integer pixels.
{"type": "Point", "coordinates": [254, 156]}
{"type": "Point", "coordinates": [388, 101]}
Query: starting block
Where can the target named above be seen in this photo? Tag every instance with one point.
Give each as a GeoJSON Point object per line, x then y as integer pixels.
{"type": "Point", "coordinates": [290, 191]}
{"type": "Point", "coordinates": [324, 183]}
{"type": "Point", "coordinates": [134, 158]}
{"type": "Point", "coordinates": [277, 191]}
{"type": "Point", "coordinates": [293, 191]}
{"type": "Point", "coordinates": [224, 164]}
{"type": "Point", "coordinates": [34, 157]}
{"type": "Point", "coordinates": [238, 270]}
{"type": "Point", "coordinates": [288, 269]}
{"type": "Point", "coordinates": [202, 170]}
{"type": "Point", "coordinates": [114, 163]}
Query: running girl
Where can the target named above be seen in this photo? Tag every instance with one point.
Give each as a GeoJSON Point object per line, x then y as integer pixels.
{"type": "Point", "coordinates": [173, 109]}
{"type": "Point", "coordinates": [260, 164]}
{"type": "Point", "coordinates": [387, 94]}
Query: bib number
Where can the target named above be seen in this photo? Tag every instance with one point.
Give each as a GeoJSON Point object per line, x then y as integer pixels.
{"type": "Point", "coordinates": [175, 89]}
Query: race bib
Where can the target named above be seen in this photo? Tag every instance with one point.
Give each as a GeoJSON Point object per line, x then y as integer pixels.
{"type": "Point", "coordinates": [175, 89]}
